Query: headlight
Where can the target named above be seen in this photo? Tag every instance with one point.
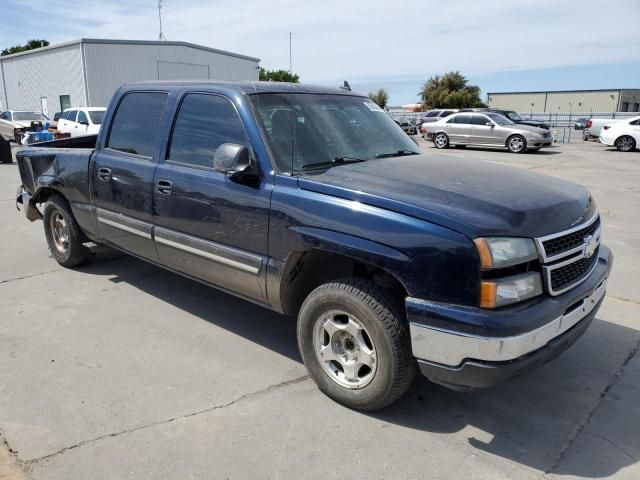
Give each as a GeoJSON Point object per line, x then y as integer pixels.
{"type": "Point", "coordinates": [498, 293]}
{"type": "Point", "coordinates": [500, 252]}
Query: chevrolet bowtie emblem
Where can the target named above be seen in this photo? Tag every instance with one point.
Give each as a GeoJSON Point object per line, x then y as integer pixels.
{"type": "Point", "coordinates": [590, 245]}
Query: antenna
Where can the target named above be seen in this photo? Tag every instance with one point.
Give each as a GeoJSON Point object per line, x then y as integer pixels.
{"type": "Point", "coordinates": [161, 36]}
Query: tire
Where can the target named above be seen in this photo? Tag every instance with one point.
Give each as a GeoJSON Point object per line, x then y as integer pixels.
{"type": "Point", "coordinates": [370, 364]}
{"type": "Point", "coordinates": [516, 144]}
{"type": "Point", "coordinates": [5, 151]}
{"type": "Point", "coordinates": [441, 140]}
{"type": "Point", "coordinates": [64, 236]}
{"type": "Point", "coordinates": [625, 143]}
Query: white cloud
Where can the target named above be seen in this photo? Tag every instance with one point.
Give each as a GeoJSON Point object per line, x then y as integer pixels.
{"type": "Point", "coordinates": [374, 39]}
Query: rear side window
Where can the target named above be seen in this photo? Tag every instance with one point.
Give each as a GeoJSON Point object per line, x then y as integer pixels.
{"type": "Point", "coordinates": [433, 114]}
{"type": "Point", "coordinates": [466, 119]}
{"type": "Point", "coordinates": [446, 113]}
{"type": "Point", "coordinates": [136, 124]}
{"type": "Point", "coordinates": [204, 123]}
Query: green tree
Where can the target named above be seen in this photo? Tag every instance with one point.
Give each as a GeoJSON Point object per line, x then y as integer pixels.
{"type": "Point", "coordinates": [381, 97]}
{"type": "Point", "coordinates": [30, 45]}
{"type": "Point", "coordinates": [278, 76]}
{"type": "Point", "coordinates": [450, 90]}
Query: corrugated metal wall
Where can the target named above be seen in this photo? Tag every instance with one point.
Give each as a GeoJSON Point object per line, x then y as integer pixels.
{"type": "Point", "coordinates": [49, 74]}
{"type": "Point", "coordinates": [557, 102]}
{"type": "Point", "coordinates": [3, 99]}
{"type": "Point", "coordinates": [631, 100]}
{"type": "Point", "coordinates": [110, 65]}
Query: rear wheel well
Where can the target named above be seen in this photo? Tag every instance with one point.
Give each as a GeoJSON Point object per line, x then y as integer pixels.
{"type": "Point", "coordinates": [306, 271]}
{"type": "Point", "coordinates": [44, 193]}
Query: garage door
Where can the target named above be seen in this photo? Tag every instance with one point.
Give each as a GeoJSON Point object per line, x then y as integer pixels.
{"type": "Point", "coordinates": [182, 71]}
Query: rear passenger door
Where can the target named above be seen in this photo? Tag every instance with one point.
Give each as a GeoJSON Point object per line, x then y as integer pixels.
{"type": "Point", "coordinates": [65, 125]}
{"type": "Point", "coordinates": [122, 173]}
{"type": "Point", "coordinates": [207, 225]}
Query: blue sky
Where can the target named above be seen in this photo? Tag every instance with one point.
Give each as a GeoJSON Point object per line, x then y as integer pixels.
{"type": "Point", "coordinates": [499, 45]}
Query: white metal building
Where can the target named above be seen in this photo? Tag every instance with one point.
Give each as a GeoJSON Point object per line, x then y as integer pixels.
{"type": "Point", "coordinates": [615, 100]}
{"type": "Point", "coordinates": [86, 72]}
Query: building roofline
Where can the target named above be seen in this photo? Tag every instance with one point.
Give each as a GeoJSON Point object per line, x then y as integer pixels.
{"type": "Point", "coordinates": [105, 41]}
{"type": "Point", "coordinates": [564, 91]}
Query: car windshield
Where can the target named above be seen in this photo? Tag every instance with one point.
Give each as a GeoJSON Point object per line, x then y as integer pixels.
{"type": "Point", "coordinates": [96, 116]}
{"type": "Point", "coordinates": [317, 131]}
{"type": "Point", "coordinates": [28, 116]}
{"type": "Point", "coordinates": [499, 119]}
{"type": "Point", "coordinates": [513, 116]}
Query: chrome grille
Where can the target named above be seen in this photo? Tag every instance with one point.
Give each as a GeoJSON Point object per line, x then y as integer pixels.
{"type": "Point", "coordinates": [570, 256]}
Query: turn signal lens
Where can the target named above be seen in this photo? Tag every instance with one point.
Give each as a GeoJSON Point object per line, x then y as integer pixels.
{"type": "Point", "coordinates": [498, 293]}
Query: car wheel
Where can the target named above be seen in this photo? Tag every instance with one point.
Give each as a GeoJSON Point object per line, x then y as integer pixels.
{"type": "Point", "coordinates": [516, 144]}
{"type": "Point", "coordinates": [355, 344]}
{"type": "Point", "coordinates": [64, 236]}
{"type": "Point", "coordinates": [625, 143]}
{"type": "Point", "coordinates": [441, 140]}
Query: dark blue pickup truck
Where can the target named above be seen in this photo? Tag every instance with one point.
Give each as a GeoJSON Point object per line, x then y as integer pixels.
{"type": "Point", "coordinates": [313, 202]}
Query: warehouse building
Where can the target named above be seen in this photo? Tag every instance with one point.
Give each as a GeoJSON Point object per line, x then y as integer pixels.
{"type": "Point", "coordinates": [86, 72]}
{"type": "Point", "coordinates": [564, 101]}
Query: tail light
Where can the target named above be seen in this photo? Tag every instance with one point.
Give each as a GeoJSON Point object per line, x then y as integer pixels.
{"type": "Point", "coordinates": [589, 123]}
{"type": "Point", "coordinates": [606, 127]}
{"type": "Point", "coordinates": [422, 129]}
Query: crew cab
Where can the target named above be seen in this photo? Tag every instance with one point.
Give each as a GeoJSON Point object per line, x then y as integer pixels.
{"type": "Point", "coordinates": [81, 121]}
{"type": "Point", "coordinates": [312, 202]}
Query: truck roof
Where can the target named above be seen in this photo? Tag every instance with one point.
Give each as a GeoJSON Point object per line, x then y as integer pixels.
{"type": "Point", "coordinates": [245, 87]}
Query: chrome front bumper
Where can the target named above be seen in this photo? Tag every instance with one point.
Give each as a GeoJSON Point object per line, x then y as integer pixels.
{"type": "Point", "coordinates": [452, 348]}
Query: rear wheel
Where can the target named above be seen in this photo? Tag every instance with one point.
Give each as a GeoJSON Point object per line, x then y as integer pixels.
{"type": "Point", "coordinates": [355, 344]}
{"type": "Point", "coordinates": [441, 140]}
{"type": "Point", "coordinates": [516, 144]}
{"type": "Point", "coordinates": [626, 143]}
{"type": "Point", "coordinates": [64, 236]}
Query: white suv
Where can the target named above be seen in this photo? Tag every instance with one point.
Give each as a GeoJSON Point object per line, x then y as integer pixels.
{"type": "Point", "coordinates": [81, 121]}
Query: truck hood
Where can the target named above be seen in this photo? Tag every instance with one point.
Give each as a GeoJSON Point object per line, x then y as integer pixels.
{"type": "Point", "coordinates": [475, 198]}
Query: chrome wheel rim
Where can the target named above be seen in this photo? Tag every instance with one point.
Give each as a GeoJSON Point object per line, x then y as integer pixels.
{"type": "Point", "coordinates": [441, 140]}
{"type": "Point", "coordinates": [516, 144]}
{"type": "Point", "coordinates": [344, 349]}
{"type": "Point", "coordinates": [624, 144]}
{"type": "Point", "coordinates": [59, 232]}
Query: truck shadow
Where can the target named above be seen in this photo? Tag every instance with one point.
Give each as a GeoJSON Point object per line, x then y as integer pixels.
{"type": "Point", "coordinates": [528, 420]}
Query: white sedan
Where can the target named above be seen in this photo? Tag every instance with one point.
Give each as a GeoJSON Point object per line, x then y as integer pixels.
{"type": "Point", "coordinates": [624, 135]}
{"type": "Point", "coordinates": [81, 121]}
{"type": "Point", "coordinates": [13, 123]}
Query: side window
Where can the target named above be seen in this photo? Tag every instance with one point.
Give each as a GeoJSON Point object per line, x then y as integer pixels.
{"type": "Point", "coordinates": [465, 119]}
{"type": "Point", "coordinates": [82, 117]}
{"type": "Point", "coordinates": [433, 114]}
{"type": "Point", "coordinates": [479, 120]}
{"type": "Point", "coordinates": [446, 113]}
{"type": "Point", "coordinates": [4, 116]}
{"type": "Point", "coordinates": [635, 122]}
{"type": "Point", "coordinates": [136, 124]}
{"type": "Point", "coordinates": [71, 115]}
{"type": "Point", "coordinates": [204, 123]}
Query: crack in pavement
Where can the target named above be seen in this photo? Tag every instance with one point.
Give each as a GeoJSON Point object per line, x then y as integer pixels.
{"type": "Point", "coordinates": [623, 300]}
{"type": "Point", "coordinates": [587, 417]}
{"type": "Point", "coordinates": [29, 276]}
{"type": "Point", "coordinates": [36, 461]}
{"type": "Point", "coordinates": [613, 444]}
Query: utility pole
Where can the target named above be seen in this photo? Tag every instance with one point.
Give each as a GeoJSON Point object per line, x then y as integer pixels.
{"type": "Point", "coordinates": [290, 69]}
{"type": "Point", "coordinates": [161, 36]}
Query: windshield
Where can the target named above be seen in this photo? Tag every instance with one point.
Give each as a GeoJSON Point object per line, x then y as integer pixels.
{"type": "Point", "coordinates": [28, 116]}
{"type": "Point", "coordinates": [513, 116]}
{"type": "Point", "coordinates": [96, 116]}
{"type": "Point", "coordinates": [499, 119]}
{"type": "Point", "coordinates": [308, 131]}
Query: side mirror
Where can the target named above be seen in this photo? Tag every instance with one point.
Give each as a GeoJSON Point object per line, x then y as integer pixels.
{"type": "Point", "coordinates": [235, 162]}
{"type": "Point", "coordinates": [489, 124]}
{"type": "Point", "coordinates": [84, 122]}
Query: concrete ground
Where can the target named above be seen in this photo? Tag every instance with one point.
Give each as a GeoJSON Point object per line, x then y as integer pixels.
{"type": "Point", "coordinates": [122, 370]}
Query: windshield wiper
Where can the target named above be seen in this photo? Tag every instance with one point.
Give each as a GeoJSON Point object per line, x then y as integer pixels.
{"type": "Point", "coordinates": [335, 161]}
{"type": "Point", "coordinates": [398, 153]}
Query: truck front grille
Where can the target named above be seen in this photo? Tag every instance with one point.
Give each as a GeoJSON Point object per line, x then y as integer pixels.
{"type": "Point", "coordinates": [569, 257]}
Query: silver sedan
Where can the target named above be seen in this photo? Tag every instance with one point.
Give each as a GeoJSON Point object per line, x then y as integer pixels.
{"type": "Point", "coordinates": [486, 129]}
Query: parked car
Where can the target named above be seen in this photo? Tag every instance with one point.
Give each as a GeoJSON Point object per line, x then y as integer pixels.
{"type": "Point", "coordinates": [408, 126]}
{"type": "Point", "coordinates": [312, 202]}
{"type": "Point", "coordinates": [13, 123]}
{"type": "Point", "coordinates": [595, 126]}
{"type": "Point", "coordinates": [435, 115]}
{"type": "Point", "coordinates": [516, 118]}
{"type": "Point", "coordinates": [624, 135]}
{"type": "Point", "coordinates": [486, 129]}
{"type": "Point", "coordinates": [580, 124]}
{"type": "Point", "coordinates": [81, 121]}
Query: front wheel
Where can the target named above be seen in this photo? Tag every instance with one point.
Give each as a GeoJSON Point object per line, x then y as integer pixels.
{"type": "Point", "coordinates": [516, 144]}
{"type": "Point", "coordinates": [355, 344]}
{"type": "Point", "coordinates": [625, 143]}
{"type": "Point", "coordinates": [441, 140]}
{"type": "Point", "coordinates": [64, 236]}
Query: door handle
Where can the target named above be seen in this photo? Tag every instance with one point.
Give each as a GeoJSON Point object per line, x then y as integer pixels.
{"type": "Point", "coordinates": [164, 187]}
{"type": "Point", "coordinates": [104, 174]}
